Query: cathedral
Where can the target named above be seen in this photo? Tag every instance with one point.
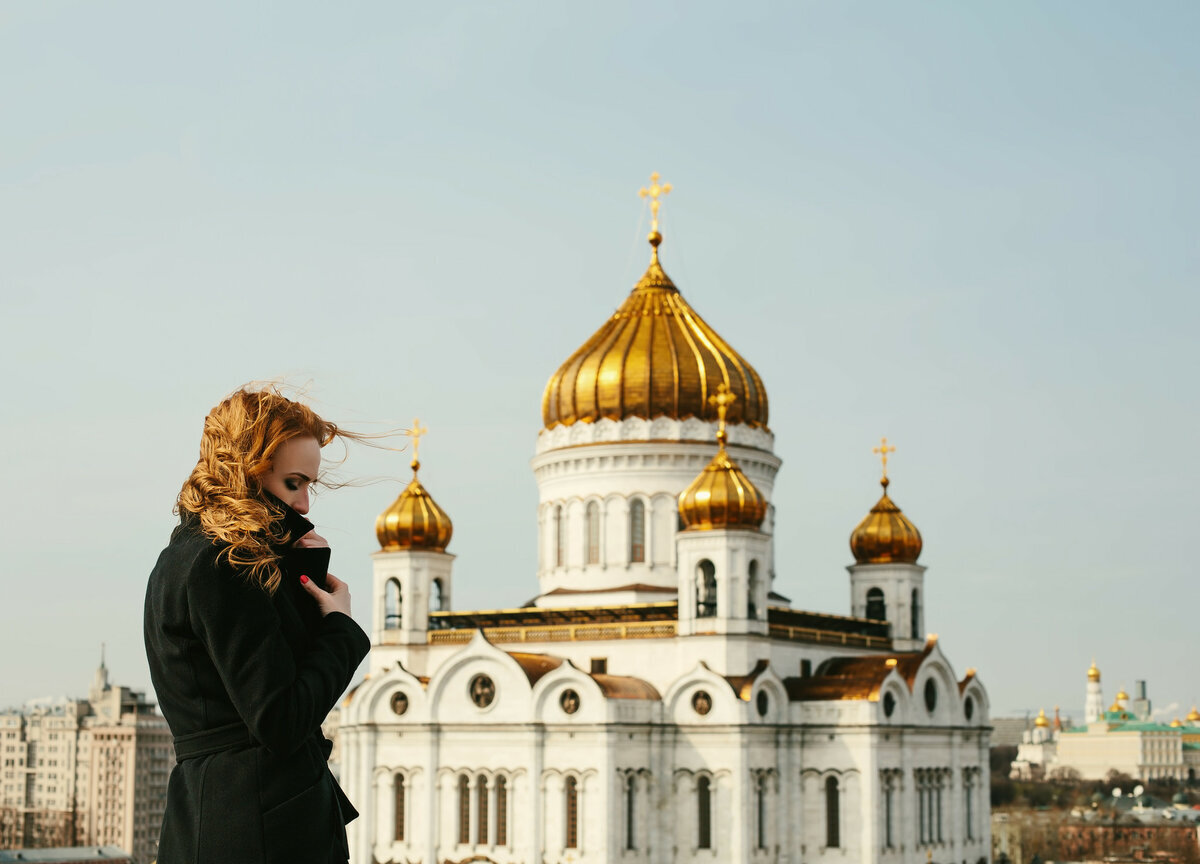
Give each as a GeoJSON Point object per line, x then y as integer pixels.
{"type": "Point", "coordinates": [659, 701]}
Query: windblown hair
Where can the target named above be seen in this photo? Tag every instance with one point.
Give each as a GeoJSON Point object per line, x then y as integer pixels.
{"type": "Point", "coordinates": [225, 488]}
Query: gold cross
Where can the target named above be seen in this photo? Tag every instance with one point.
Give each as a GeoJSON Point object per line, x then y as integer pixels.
{"type": "Point", "coordinates": [415, 434]}
{"type": "Point", "coordinates": [883, 450]}
{"type": "Point", "coordinates": [722, 399]}
{"type": "Point", "coordinates": [653, 193]}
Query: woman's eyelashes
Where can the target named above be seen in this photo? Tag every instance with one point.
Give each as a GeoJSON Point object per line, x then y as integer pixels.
{"type": "Point", "coordinates": [292, 484]}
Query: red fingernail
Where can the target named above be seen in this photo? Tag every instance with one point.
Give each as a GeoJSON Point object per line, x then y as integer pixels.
{"type": "Point", "coordinates": [304, 579]}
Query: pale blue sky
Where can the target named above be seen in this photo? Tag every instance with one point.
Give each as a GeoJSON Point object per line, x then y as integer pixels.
{"type": "Point", "coordinates": [968, 227]}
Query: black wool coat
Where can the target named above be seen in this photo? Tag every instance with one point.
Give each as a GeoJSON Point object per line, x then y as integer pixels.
{"type": "Point", "coordinates": [244, 680]}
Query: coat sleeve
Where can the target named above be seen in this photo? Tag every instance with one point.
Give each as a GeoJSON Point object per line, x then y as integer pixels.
{"type": "Point", "coordinates": [281, 699]}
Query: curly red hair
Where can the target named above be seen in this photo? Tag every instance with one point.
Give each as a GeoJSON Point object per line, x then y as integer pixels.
{"type": "Point", "coordinates": [225, 488]}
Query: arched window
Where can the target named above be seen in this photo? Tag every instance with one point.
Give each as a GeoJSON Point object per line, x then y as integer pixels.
{"type": "Point", "coordinates": [833, 834]}
{"type": "Point", "coordinates": [398, 794]}
{"type": "Point", "coordinates": [591, 522]}
{"type": "Point", "coordinates": [760, 807]}
{"type": "Point", "coordinates": [392, 608]}
{"type": "Point", "coordinates": [630, 811]}
{"type": "Point", "coordinates": [704, 813]}
{"type": "Point", "coordinates": [501, 811]}
{"type": "Point", "coordinates": [706, 589]}
{"type": "Point", "coordinates": [876, 607]}
{"type": "Point", "coordinates": [437, 602]}
{"type": "Point", "coordinates": [464, 809]}
{"type": "Point", "coordinates": [572, 802]}
{"type": "Point", "coordinates": [752, 592]}
{"type": "Point", "coordinates": [560, 538]}
{"type": "Point", "coordinates": [916, 615]}
{"type": "Point", "coordinates": [481, 797]}
{"type": "Point", "coordinates": [637, 531]}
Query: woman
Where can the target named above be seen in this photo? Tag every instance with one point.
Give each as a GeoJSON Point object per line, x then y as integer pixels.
{"type": "Point", "coordinates": [250, 644]}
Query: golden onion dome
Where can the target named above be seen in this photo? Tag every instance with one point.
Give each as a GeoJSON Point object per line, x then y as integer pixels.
{"type": "Point", "coordinates": [721, 496]}
{"type": "Point", "coordinates": [1176, 723]}
{"type": "Point", "coordinates": [655, 357]}
{"type": "Point", "coordinates": [414, 521]}
{"type": "Point", "coordinates": [885, 536]}
{"type": "Point", "coordinates": [1093, 672]}
{"type": "Point", "coordinates": [1042, 720]}
{"type": "Point", "coordinates": [1122, 696]}
{"type": "Point", "coordinates": [1193, 715]}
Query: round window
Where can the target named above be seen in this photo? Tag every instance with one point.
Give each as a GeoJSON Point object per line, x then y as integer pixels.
{"type": "Point", "coordinates": [399, 702]}
{"type": "Point", "coordinates": [969, 707]}
{"type": "Point", "coordinates": [889, 704]}
{"type": "Point", "coordinates": [569, 701]}
{"type": "Point", "coordinates": [482, 690]}
{"type": "Point", "coordinates": [930, 695]}
{"type": "Point", "coordinates": [762, 703]}
{"type": "Point", "coordinates": [702, 702]}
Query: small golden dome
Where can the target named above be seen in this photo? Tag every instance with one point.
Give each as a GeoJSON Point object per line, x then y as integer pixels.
{"type": "Point", "coordinates": [1093, 672]}
{"type": "Point", "coordinates": [414, 521]}
{"type": "Point", "coordinates": [1176, 723]}
{"type": "Point", "coordinates": [1116, 706]}
{"type": "Point", "coordinates": [655, 357]}
{"type": "Point", "coordinates": [1122, 696]}
{"type": "Point", "coordinates": [885, 536]}
{"type": "Point", "coordinates": [1193, 715]}
{"type": "Point", "coordinates": [1042, 720]}
{"type": "Point", "coordinates": [721, 496]}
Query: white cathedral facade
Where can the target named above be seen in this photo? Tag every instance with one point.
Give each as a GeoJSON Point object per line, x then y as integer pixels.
{"type": "Point", "coordinates": [659, 701]}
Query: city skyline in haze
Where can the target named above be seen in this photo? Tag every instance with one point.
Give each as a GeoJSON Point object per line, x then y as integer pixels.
{"type": "Point", "coordinates": [970, 230]}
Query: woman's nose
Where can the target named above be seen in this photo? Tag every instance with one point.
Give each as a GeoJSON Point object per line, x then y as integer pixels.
{"type": "Point", "coordinates": [300, 505]}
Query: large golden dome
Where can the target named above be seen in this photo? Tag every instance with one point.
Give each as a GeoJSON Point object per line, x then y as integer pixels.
{"type": "Point", "coordinates": [886, 536]}
{"type": "Point", "coordinates": [655, 357]}
{"type": "Point", "coordinates": [414, 521]}
{"type": "Point", "coordinates": [721, 496]}
{"type": "Point", "coordinates": [1093, 672]}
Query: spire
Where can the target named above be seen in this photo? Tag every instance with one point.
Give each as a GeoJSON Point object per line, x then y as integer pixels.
{"type": "Point", "coordinates": [721, 400]}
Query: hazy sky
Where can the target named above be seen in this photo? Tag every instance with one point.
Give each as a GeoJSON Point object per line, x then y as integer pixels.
{"type": "Point", "coordinates": [969, 227]}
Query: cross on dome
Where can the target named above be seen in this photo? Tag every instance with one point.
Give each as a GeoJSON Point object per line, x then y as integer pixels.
{"type": "Point", "coordinates": [653, 192]}
{"type": "Point", "coordinates": [416, 433]}
{"type": "Point", "coordinates": [721, 400]}
{"type": "Point", "coordinates": [882, 451]}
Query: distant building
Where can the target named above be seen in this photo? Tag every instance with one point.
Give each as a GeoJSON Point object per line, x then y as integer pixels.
{"type": "Point", "coordinates": [1124, 737]}
{"type": "Point", "coordinates": [68, 855]}
{"type": "Point", "coordinates": [85, 771]}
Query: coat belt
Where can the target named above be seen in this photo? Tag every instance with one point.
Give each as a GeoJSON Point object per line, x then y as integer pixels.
{"type": "Point", "coordinates": [232, 736]}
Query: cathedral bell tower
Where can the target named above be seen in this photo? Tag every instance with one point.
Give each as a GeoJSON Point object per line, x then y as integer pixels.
{"type": "Point", "coordinates": [886, 582]}
{"type": "Point", "coordinates": [723, 558]}
{"type": "Point", "coordinates": [412, 567]}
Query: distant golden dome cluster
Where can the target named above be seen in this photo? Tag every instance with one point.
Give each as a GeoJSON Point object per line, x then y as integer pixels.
{"type": "Point", "coordinates": [886, 536]}
{"type": "Point", "coordinates": [655, 357]}
{"type": "Point", "coordinates": [414, 520]}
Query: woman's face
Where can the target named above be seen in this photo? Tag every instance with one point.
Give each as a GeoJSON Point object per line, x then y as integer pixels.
{"type": "Point", "coordinates": [293, 470]}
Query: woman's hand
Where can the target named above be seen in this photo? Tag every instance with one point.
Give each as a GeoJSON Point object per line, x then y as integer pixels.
{"type": "Point", "coordinates": [312, 540]}
{"type": "Point", "coordinates": [336, 599]}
